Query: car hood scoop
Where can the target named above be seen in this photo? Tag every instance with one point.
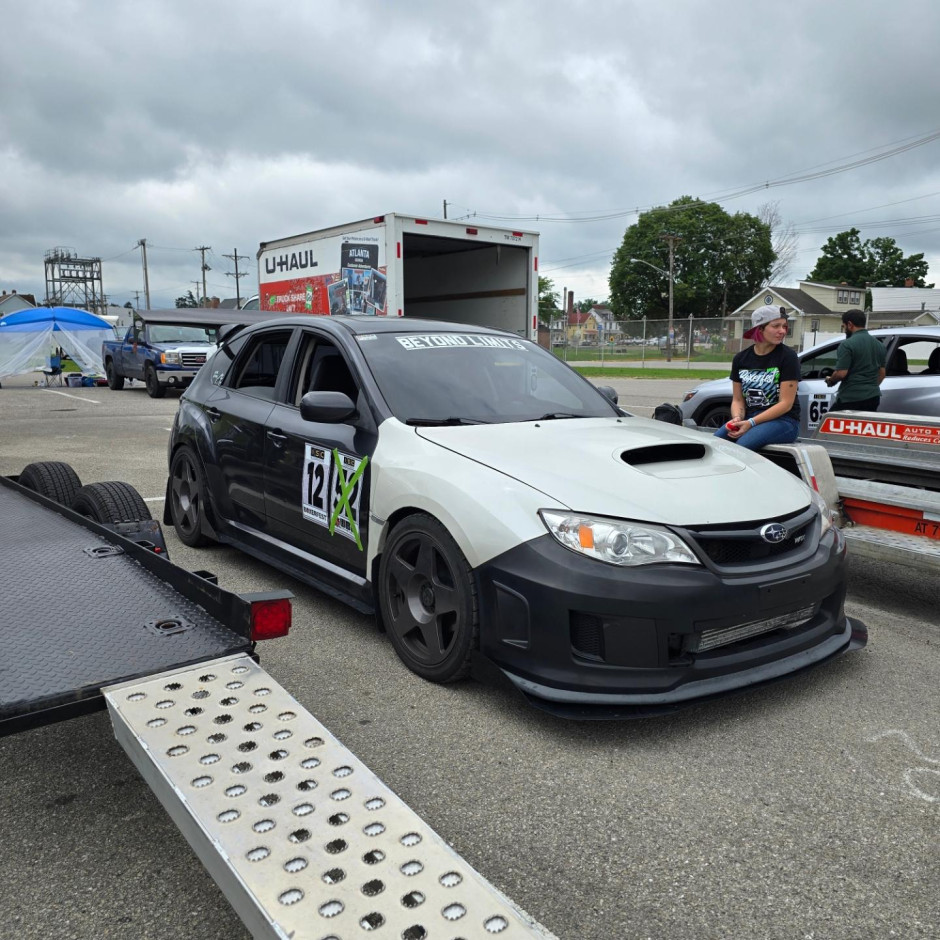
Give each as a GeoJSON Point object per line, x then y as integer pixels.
{"type": "Point", "coordinates": [631, 468]}
{"type": "Point", "coordinates": [663, 453]}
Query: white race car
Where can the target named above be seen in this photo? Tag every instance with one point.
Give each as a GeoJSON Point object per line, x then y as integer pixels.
{"type": "Point", "coordinates": [495, 508]}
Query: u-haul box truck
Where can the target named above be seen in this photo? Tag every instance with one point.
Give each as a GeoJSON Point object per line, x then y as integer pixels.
{"type": "Point", "coordinates": [399, 265]}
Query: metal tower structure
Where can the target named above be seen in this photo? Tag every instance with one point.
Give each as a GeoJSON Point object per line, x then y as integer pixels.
{"type": "Point", "coordinates": [74, 282]}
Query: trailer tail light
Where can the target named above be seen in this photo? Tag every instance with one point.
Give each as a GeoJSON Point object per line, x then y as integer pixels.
{"type": "Point", "coordinates": [270, 618]}
{"type": "Point", "coordinates": [472, 231]}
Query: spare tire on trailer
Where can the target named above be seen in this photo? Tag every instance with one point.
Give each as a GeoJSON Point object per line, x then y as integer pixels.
{"type": "Point", "coordinates": [111, 502]}
{"type": "Point", "coordinates": [53, 479]}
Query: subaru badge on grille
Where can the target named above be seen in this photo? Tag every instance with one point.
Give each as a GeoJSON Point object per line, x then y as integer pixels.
{"type": "Point", "coordinates": [773, 532]}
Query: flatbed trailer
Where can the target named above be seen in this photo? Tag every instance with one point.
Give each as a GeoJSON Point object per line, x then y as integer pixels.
{"type": "Point", "coordinates": [303, 840]}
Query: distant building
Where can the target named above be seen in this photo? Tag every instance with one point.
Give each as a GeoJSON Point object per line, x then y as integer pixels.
{"type": "Point", "coordinates": [11, 302]}
{"type": "Point", "coordinates": [915, 305]}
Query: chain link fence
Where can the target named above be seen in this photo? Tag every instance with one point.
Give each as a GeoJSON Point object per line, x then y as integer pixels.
{"type": "Point", "coordinates": [693, 341]}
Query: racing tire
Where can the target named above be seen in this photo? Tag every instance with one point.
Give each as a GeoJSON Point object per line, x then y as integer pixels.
{"type": "Point", "coordinates": [53, 479]}
{"type": "Point", "coordinates": [187, 494]}
{"type": "Point", "coordinates": [111, 502]}
{"type": "Point", "coordinates": [428, 600]}
{"type": "Point", "coordinates": [115, 381]}
{"type": "Point", "coordinates": [154, 388]}
{"type": "Point", "coordinates": [716, 417]}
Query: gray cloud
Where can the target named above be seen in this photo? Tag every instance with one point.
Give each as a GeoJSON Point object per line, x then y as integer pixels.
{"type": "Point", "coordinates": [226, 124]}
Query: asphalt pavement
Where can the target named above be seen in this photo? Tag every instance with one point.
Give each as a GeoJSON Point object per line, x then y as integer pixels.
{"type": "Point", "coordinates": [806, 809]}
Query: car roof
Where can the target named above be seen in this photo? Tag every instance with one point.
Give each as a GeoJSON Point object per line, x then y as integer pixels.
{"type": "Point", "coordinates": [369, 325]}
{"type": "Point", "coordinates": [906, 331]}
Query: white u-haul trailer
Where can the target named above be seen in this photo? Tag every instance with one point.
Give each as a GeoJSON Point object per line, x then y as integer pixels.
{"type": "Point", "coordinates": [400, 265]}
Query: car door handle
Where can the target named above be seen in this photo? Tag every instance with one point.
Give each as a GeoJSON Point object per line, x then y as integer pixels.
{"type": "Point", "coordinates": [277, 437]}
{"type": "Point", "coordinates": [214, 414]}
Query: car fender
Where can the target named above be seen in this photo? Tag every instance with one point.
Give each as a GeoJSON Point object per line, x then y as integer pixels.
{"type": "Point", "coordinates": [485, 511]}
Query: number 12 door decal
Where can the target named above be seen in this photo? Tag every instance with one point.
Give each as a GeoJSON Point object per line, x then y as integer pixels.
{"type": "Point", "coordinates": [332, 488]}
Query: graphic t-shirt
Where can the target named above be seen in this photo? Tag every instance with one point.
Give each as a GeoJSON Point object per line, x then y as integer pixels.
{"type": "Point", "coordinates": [760, 378]}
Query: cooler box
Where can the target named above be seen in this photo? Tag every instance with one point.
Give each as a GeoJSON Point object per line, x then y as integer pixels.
{"type": "Point", "coordinates": [73, 379]}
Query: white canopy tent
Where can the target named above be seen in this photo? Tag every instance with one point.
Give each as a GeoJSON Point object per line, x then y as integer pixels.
{"type": "Point", "coordinates": [30, 338]}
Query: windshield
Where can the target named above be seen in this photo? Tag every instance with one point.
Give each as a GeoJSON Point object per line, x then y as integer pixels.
{"type": "Point", "coordinates": [455, 378]}
{"type": "Point", "coordinates": [174, 333]}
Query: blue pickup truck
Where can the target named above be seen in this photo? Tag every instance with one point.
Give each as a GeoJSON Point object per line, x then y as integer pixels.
{"type": "Point", "coordinates": [164, 349]}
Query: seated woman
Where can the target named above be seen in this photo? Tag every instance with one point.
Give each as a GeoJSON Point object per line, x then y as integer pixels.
{"type": "Point", "coordinates": [764, 407]}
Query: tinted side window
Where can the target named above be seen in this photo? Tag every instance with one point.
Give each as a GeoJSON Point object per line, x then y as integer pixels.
{"type": "Point", "coordinates": [256, 369]}
{"type": "Point", "coordinates": [223, 359]}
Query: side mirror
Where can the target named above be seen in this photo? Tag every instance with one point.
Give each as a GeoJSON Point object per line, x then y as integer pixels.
{"type": "Point", "coordinates": [609, 393]}
{"type": "Point", "coordinates": [326, 407]}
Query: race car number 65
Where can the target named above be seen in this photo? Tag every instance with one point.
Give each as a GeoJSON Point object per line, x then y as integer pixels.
{"type": "Point", "coordinates": [817, 409]}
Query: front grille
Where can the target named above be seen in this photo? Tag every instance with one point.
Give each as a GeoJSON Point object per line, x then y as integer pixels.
{"type": "Point", "coordinates": [737, 551]}
{"type": "Point", "coordinates": [743, 545]}
{"type": "Point", "coordinates": [193, 360]}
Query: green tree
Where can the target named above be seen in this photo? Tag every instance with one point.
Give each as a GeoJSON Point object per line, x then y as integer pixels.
{"type": "Point", "coordinates": [847, 259]}
{"type": "Point", "coordinates": [585, 305]}
{"type": "Point", "coordinates": [548, 300]}
{"type": "Point", "coordinates": [720, 261]}
{"type": "Point", "coordinates": [187, 300]}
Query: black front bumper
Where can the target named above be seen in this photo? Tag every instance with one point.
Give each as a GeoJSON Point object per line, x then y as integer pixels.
{"type": "Point", "coordinates": [574, 634]}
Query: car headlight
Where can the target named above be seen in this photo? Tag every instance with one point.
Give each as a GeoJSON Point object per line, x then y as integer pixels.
{"type": "Point", "coordinates": [617, 542]}
{"type": "Point", "coordinates": [171, 358]}
{"type": "Point", "coordinates": [824, 511]}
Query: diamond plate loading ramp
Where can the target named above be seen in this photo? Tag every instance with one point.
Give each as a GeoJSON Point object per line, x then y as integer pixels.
{"type": "Point", "coordinates": [304, 840]}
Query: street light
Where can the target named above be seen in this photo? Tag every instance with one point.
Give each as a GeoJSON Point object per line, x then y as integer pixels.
{"type": "Point", "coordinates": [670, 276]}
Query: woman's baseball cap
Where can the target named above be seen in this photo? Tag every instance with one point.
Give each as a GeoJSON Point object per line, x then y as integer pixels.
{"type": "Point", "coordinates": [764, 315]}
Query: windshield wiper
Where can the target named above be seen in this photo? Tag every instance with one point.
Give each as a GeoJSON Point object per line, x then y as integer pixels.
{"type": "Point", "coordinates": [555, 415]}
{"type": "Point", "coordinates": [442, 422]}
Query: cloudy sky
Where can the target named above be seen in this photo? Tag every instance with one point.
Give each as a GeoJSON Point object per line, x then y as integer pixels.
{"type": "Point", "coordinates": [197, 122]}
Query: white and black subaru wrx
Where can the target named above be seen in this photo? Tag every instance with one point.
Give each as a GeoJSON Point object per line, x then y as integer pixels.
{"type": "Point", "coordinates": [492, 506]}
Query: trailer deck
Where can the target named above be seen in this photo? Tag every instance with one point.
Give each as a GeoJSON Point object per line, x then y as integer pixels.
{"type": "Point", "coordinates": [84, 607]}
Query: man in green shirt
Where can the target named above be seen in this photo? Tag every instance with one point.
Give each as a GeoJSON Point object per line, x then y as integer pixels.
{"type": "Point", "coordinates": [860, 366]}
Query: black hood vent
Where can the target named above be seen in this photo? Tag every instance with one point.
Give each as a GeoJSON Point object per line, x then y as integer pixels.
{"type": "Point", "coordinates": [663, 453]}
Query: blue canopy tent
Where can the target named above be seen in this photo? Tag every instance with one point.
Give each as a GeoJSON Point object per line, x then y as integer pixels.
{"type": "Point", "coordinates": [29, 338]}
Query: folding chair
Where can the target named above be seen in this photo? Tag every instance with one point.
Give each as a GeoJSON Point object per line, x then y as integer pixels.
{"type": "Point", "coordinates": [54, 373]}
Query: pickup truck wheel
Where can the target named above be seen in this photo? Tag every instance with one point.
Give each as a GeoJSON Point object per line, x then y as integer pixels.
{"type": "Point", "coordinates": [187, 495]}
{"type": "Point", "coordinates": [115, 381]}
{"type": "Point", "coordinates": [113, 501]}
{"type": "Point", "coordinates": [428, 600]}
{"type": "Point", "coordinates": [716, 417]}
{"type": "Point", "coordinates": [53, 479]}
{"type": "Point", "coordinates": [154, 388]}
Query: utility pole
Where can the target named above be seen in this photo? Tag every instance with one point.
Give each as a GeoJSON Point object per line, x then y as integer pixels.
{"type": "Point", "coordinates": [236, 257]}
{"type": "Point", "coordinates": [197, 294]}
{"type": "Point", "coordinates": [445, 208]}
{"type": "Point", "coordinates": [202, 249]}
{"type": "Point", "coordinates": [143, 254]}
{"type": "Point", "coordinates": [672, 239]}
{"type": "Point", "coordinates": [136, 299]}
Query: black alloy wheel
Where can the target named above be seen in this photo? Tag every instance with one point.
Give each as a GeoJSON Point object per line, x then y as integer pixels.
{"type": "Point", "coordinates": [428, 600]}
{"type": "Point", "coordinates": [154, 388]}
{"type": "Point", "coordinates": [187, 493]}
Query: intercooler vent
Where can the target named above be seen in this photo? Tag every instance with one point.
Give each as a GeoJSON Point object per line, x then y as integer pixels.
{"type": "Point", "coordinates": [662, 453]}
